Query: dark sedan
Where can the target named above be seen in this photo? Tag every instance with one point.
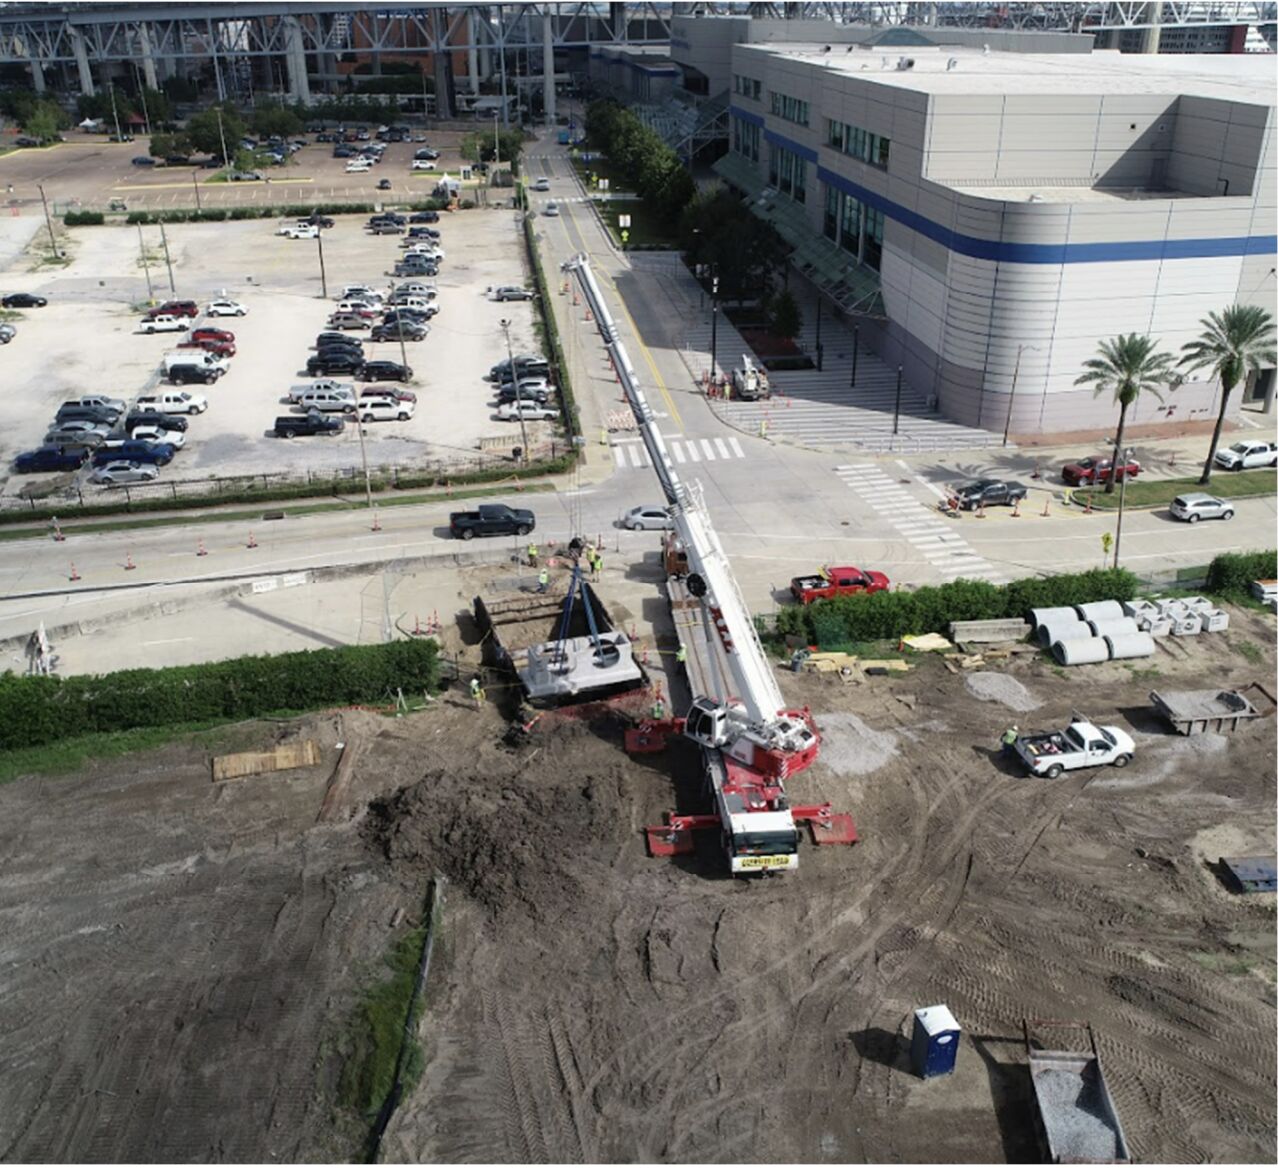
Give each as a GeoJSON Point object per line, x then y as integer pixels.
{"type": "Point", "coordinates": [410, 330]}
{"type": "Point", "coordinates": [385, 371]}
{"type": "Point", "coordinates": [425, 217]}
{"type": "Point", "coordinates": [23, 300]}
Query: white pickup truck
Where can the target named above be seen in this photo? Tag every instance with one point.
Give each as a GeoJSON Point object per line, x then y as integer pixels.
{"type": "Point", "coordinates": [1080, 744]}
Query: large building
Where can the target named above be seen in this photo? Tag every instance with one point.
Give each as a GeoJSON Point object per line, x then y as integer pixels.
{"type": "Point", "coordinates": [989, 216]}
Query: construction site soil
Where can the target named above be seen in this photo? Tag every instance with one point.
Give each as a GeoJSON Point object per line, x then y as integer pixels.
{"type": "Point", "coordinates": [181, 957]}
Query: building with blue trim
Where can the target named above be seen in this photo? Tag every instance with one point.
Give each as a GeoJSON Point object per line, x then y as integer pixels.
{"type": "Point", "coordinates": [989, 216]}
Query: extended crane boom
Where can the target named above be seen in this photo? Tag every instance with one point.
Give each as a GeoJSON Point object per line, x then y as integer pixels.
{"type": "Point", "coordinates": [752, 743]}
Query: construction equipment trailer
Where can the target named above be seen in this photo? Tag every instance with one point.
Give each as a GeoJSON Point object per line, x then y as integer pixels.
{"type": "Point", "coordinates": [751, 744]}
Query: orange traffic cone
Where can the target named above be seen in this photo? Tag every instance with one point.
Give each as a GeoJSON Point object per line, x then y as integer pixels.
{"type": "Point", "coordinates": [1016, 508]}
{"type": "Point", "coordinates": [200, 549]}
{"type": "Point", "coordinates": [377, 524]}
{"type": "Point", "coordinates": [74, 574]}
{"type": "Point", "coordinates": [1088, 509]}
{"type": "Point", "coordinates": [589, 316]}
{"type": "Point", "coordinates": [252, 540]}
{"type": "Point", "coordinates": [58, 536]}
{"type": "Point", "coordinates": [1047, 506]}
{"type": "Point", "coordinates": [980, 509]}
{"type": "Point", "coordinates": [129, 565]}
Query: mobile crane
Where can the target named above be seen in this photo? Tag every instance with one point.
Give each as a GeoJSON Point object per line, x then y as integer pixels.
{"type": "Point", "coordinates": [751, 744]}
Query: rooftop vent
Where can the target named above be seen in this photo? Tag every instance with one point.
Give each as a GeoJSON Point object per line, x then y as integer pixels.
{"type": "Point", "coordinates": [952, 63]}
{"type": "Point", "coordinates": [904, 63]}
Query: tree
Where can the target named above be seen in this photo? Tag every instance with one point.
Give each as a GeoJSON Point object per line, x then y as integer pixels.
{"type": "Point", "coordinates": [1233, 344]}
{"type": "Point", "coordinates": [158, 109]}
{"type": "Point", "coordinates": [787, 318]}
{"type": "Point", "coordinates": [276, 120]}
{"type": "Point", "coordinates": [478, 147]}
{"type": "Point", "coordinates": [743, 251]}
{"type": "Point", "coordinates": [44, 120]}
{"type": "Point", "coordinates": [202, 129]}
{"type": "Point", "coordinates": [1128, 366]}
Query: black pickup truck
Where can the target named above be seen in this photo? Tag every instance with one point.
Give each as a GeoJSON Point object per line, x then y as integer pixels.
{"type": "Point", "coordinates": [491, 519]}
{"type": "Point", "coordinates": [312, 423]}
{"type": "Point", "coordinates": [989, 493]}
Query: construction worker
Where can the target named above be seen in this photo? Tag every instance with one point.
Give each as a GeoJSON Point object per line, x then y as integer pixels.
{"type": "Point", "coordinates": [543, 580]}
{"type": "Point", "coordinates": [596, 565]}
{"type": "Point", "coordinates": [532, 554]}
{"type": "Point", "coordinates": [1010, 735]}
{"type": "Point", "coordinates": [681, 658]}
{"type": "Point", "coordinates": [477, 692]}
{"type": "Point", "coordinates": [763, 427]}
{"type": "Point", "coordinates": [658, 709]}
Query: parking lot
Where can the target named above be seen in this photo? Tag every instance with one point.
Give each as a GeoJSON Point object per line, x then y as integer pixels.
{"type": "Point", "coordinates": [87, 339]}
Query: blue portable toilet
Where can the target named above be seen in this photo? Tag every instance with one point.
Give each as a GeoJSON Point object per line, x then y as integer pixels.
{"type": "Point", "coordinates": [934, 1048]}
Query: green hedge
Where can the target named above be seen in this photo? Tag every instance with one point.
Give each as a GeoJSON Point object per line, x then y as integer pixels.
{"type": "Point", "coordinates": [572, 417]}
{"type": "Point", "coordinates": [1231, 574]}
{"type": "Point", "coordinates": [35, 711]}
{"type": "Point", "coordinates": [217, 214]}
{"type": "Point", "coordinates": [84, 218]}
{"type": "Point", "coordinates": [890, 615]}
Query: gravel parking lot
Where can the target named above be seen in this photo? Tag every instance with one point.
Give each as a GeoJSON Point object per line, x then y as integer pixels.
{"type": "Point", "coordinates": [86, 339]}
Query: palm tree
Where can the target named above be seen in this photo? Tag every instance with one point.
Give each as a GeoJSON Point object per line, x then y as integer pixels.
{"type": "Point", "coordinates": [1233, 343]}
{"type": "Point", "coordinates": [1128, 366]}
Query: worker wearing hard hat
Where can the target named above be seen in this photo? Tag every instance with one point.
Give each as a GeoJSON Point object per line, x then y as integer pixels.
{"type": "Point", "coordinates": [1010, 735]}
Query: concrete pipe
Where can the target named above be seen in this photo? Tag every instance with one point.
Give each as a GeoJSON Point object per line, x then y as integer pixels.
{"type": "Point", "coordinates": [1114, 628]}
{"type": "Point", "coordinates": [1100, 610]}
{"type": "Point", "coordinates": [1041, 616]}
{"type": "Point", "coordinates": [1084, 651]}
{"type": "Point", "coordinates": [1129, 645]}
{"type": "Point", "coordinates": [1062, 629]}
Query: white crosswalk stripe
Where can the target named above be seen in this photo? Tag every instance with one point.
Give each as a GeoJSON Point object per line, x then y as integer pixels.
{"type": "Point", "coordinates": [943, 547]}
{"type": "Point", "coordinates": [631, 452]}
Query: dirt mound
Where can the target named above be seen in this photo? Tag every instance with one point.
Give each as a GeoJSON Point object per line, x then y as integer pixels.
{"type": "Point", "coordinates": [999, 687]}
{"type": "Point", "coordinates": [521, 827]}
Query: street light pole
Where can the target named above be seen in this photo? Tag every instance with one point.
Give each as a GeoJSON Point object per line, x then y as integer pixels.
{"type": "Point", "coordinates": [53, 243]}
{"type": "Point", "coordinates": [146, 267]}
{"type": "Point", "coordinates": [514, 380]}
{"type": "Point", "coordinates": [714, 326]}
{"type": "Point", "coordinates": [496, 143]}
{"type": "Point", "coordinates": [1122, 497]}
{"type": "Point", "coordinates": [856, 349]}
{"type": "Point", "coordinates": [819, 348]}
{"type": "Point", "coordinates": [1011, 398]}
{"type": "Point", "coordinates": [363, 457]}
{"type": "Point", "coordinates": [115, 116]}
{"type": "Point", "coordinates": [221, 133]}
{"type": "Point", "coordinates": [167, 261]}
{"type": "Point", "coordinates": [896, 410]}
{"type": "Point", "coordinates": [319, 240]}
{"type": "Point", "coordinates": [195, 183]}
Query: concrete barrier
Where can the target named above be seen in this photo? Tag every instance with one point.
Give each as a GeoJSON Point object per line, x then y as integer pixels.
{"type": "Point", "coordinates": [986, 631]}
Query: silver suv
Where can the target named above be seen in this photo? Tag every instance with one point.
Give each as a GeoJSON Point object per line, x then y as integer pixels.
{"type": "Point", "coordinates": [1191, 508]}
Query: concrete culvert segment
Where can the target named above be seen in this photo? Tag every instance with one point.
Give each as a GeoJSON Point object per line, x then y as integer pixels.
{"type": "Point", "coordinates": [999, 687]}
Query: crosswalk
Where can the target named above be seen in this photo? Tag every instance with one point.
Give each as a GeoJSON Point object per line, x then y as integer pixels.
{"type": "Point", "coordinates": [631, 452]}
{"type": "Point", "coordinates": [929, 532]}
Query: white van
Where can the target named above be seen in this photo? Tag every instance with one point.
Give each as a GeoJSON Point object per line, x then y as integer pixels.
{"type": "Point", "coordinates": [329, 401]}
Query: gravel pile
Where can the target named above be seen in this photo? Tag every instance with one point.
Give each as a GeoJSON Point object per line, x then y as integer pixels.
{"type": "Point", "coordinates": [850, 747]}
{"type": "Point", "coordinates": [998, 687]}
{"type": "Point", "coordinates": [1074, 1113]}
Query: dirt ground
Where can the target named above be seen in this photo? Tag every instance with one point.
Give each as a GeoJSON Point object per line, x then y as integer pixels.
{"type": "Point", "coordinates": [176, 973]}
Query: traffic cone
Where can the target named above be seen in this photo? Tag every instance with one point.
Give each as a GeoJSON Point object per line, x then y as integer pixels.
{"type": "Point", "coordinates": [980, 509]}
{"type": "Point", "coordinates": [377, 524]}
{"type": "Point", "coordinates": [1172, 461]}
{"type": "Point", "coordinates": [575, 298]}
{"type": "Point", "coordinates": [518, 485]}
{"type": "Point", "coordinates": [1047, 506]}
{"type": "Point", "coordinates": [74, 574]}
{"type": "Point", "coordinates": [417, 626]}
{"type": "Point", "coordinates": [1036, 475]}
{"type": "Point", "coordinates": [58, 537]}
{"type": "Point", "coordinates": [1016, 508]}
{"type": "Point", "coordinates": [252, 540]}
{"type": "Point", "coordinates": [129, 565]}
{"type": "Point", "coordinates": [1088, 509]}
{"type": "Point", "coordinates": [589, 315]}
{"type": "Point", "coordinates": [200, 549]}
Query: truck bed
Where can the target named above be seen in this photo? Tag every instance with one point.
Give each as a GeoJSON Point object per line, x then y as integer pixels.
{"type": "Point", "coordinates": [1194, 711]}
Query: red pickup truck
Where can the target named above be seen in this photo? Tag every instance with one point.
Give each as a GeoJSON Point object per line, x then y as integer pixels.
{"type": "Point", "coordinates": [833, 582]}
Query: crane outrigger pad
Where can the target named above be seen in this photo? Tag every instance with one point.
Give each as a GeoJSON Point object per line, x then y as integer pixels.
{"type": "Point", "coordinates": [674, 837]}
{"type": "Point", "coordinates": [826, 826]}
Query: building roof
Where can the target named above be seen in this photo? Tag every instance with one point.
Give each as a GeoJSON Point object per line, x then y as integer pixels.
{"type": "Point", "coordinates": [1233, 77]}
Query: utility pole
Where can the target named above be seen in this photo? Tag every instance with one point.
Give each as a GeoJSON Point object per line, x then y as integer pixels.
{"type": "Point", "coordinates": [164, 239]}
{"type": "Point", "coordinates": [195, 183]}
{"type": "Point", "coordinates": [53, 243]}
{"type": "Point", "coordinates": [115, 116]}
{"type": "Point", "coordinates": [319, 241]}
{"type": "Point", "coordinates": [221, 133]}
{"type": "Point", "coordinates": [146, 267]}
{"type": "Point", "coordinates": [514, 380]}
{"type": "Point", "coordinates": [1011, 398]}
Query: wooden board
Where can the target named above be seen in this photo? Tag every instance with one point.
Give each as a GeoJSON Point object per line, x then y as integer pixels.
{"type": "Point", "coordinates": [286, 757]}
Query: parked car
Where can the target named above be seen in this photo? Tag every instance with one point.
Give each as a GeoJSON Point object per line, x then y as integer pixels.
{"type": "Point", "coordinates": [1249, 453]}
{"type": "Point", "coordinates": [398, 393]}
{"type": "Point", "coordinates": [351, 345]}
{"type": "Point", "coordinates": [96, 415]}
{"type": "Point", "coordinates": [415, 288]}
{"type": "Point", "coordinates": [385, 371]}
{"type": "Point", "coordinates": [49, 458]}
{"type": "Point", "coordinates": [383, 184]}
{"type": "Point", "coordinates": [173, 401]}
{"type": "Point", "coordinates": [143, 160]}
{"type": "Point", "coordinates": [71, 429]}
{"type": "Point", "coordinates": [162, 324]}
{"type": "Point", "coordinates": [246, 176]}
{"type": "Point", "coordinates": [23, 300]}
{"type": "Point", "coordinates": [121, 473]}
{"type": "Point", "coordinates": [306, 424]}
{"type": "Point", "coordinates": [339, 400]}
{"type": "Point", "coordinates": [156, 435]}
{"type": "Point", "coordinates": [349, 320]}
{"type": "Point", "coordinates": [360, 292]}
{"type": "Point", "coordinates": [387, 217]}
{"type": "Point", "coordinates": [192, 374]}
{"type": "Point", "coordinates": [1086, 471]}
{"type": "Point", "coordinates": [424, 217]}
{"type": "Point", "coordinates": [225, 308]}
{"type": "Point", "coordinates": [415, 268]}
{"type": "Point", "coordinates": [528, 411]}
{"type": "Point", "coordinates": [831, 582]}
{"type": "Point", "coordinates": [298, 231]}
{"type": "Point", "coordinates": [1081, 744]}
{"type": "Point", "coordinates": [1199, 505]}
{"type": "Point", "coordinates": [100, 401]}
{"type": "Point", "coordinates": [425, 153]}
{"type": "Point", "coordinates": [989, 493]}
{"type": "Point", "coordinates": [7, 333]}
{"type": "Point", "coordinates": [537, 393]}
{"type": "Point", "coordinates": [526, 363]}
{"type": "Point", "coordinates": [408, 330]}
{"type": "Point", "coordinates": [175, 308]}
{"type": "Point", "coordinates": [385, 409]}
{"type": "Point", "coordinates": [170, 422]}
{"type": "Point", "coordinates": [207, 333]}
{"type": "Point", "coordinates": [385, 228]}
{"type": "Point", "coordinates": [74, 439]}
{"type": "Point", "coordinates": [160, 453]}
{"type": "Point", "coordinates": [424, 164]}
{"type": "Point", "coordinates": [207, 345]}
{"type": "Point", "coordinates": [551, 210]}
{"type": "Point", "coordinates": [413, 314]}
{"type": "Point", "coordinates": [335, 362]}
{"type": "Point", "coordinates": [510, 292]}
{"type": "Point", "coordinates": [318, 220]}
{"type": "Point", "coordinates": [422, 233]}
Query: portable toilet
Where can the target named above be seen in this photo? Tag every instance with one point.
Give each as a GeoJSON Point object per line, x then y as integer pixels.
{"type": "Point", "coordinates": [934, 1048]}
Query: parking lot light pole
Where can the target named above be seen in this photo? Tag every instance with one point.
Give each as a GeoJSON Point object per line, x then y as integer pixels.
{"type": "Point", "coordinates": [195, 183]}
{"type": "Point", "coordinates": [53, 243]}
{"type": "Point", "coordinates": [514, 380]}
{"type": "Point", "coordinates": [403, 351]}
{"type": "Point", "coordinates": [896, 409]}
{"type": "Point", "coordinates": [146, 267]}
{"type": "Point", "coordinates": [714, 326]}
{"type": "Point", "coordinates": [164, 240]}
{"type": "Point", "coordinates": [319, 242]}
{"type": "Point", "coordinates": [363, 457]}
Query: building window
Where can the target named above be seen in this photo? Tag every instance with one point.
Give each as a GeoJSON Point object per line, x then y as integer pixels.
{"type": "Point", "coordinates": [745, 139]}
{"type": "Point", "coordinates": [790, 108]}
{"type": "Point", "coordinates": [788, 173]}
{"type": "Point", "coordinates": [831, 222]}
{"type": "Point", "coordinates": [747, 87]}
{"type": "Point", "coordinates": [850, 225]}
{"type": "Point", "coordinates": [873, 238]}
{"type": "Point", "coordinates": [859, 143]}
{"type": "Point", "coordinates": [855, 226]}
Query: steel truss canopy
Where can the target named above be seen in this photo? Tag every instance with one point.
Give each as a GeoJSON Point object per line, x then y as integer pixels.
{"type": "Point", "coordinates": [99, 33]}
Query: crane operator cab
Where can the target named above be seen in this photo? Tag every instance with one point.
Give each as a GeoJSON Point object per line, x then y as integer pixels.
{"type": "Point", "coordinates": [707, 723]}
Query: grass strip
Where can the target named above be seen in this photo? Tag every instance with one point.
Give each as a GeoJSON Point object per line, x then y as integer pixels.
{"type": "Point", "coordinates": [1160, 492]}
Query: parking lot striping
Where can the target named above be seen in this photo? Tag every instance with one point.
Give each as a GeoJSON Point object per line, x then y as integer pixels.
{"type": "Point", "coordinates": [169, 641]}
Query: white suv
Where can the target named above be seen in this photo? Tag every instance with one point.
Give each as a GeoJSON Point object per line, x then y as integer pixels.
{"type": "Point", "coordinates": [1198, 505]}
{"type": "Point", "coordinates": [385, 409]}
